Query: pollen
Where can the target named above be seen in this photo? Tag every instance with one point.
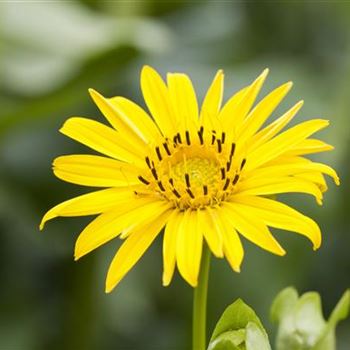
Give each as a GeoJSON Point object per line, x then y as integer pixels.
{"type": "Point", "coordinates": [194, 170]}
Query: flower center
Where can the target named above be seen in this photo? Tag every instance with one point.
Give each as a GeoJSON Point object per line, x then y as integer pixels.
{"type": "Point", "coordinates": [193, 171]}
{"type": "Point", "coordinates": [197, 172]}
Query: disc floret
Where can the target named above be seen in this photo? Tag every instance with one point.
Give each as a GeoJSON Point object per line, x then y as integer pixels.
{"type": "Point", "coordinates": [193, 170]}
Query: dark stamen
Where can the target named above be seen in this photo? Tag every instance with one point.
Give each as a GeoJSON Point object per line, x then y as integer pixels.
{"type": "Point", "coordinates": [190, 193]}
{"type": "Point", "coordinates": [177, 194]}
{"type": "Point", "coordinates": [167, 150]}
{"type": "Point", "coordinates": [223, 137]}
{"type": "Point", "coordinates": [226, 184]}
{"type": "Point", "coordinates": [235, 180]}
{"type": "Point", "coordinates": [175, 140]}
{"type": "Point", "coordinates": [143, 180]}
{"type": "Point", "coordinates": [213, 138]}
{"type": "Point", "coordinates": [160, 185]}
{"type": "Point", "coordinates": [171, 181]}
{"type": "Point", "coordinates": [187, 179]}
{"type": "Point", "coordinates": [205, 190]}
{"type": "Point", "coordinates": [158, 153]}
{"type": "Point", "coordinates": [219, 145]}
{"type": "Point", "coordinates": [179, 137]}
{"type": "Point", "coordinates": [222, 173]}
{"type": "Point", "coordinates": [148, 162]}
{"type": "Point", "coordinates": [243, 163]}
{"type": "Point", "coordinates": [188, 140]}
{"type": "Point", "coordinates": [200, 135]}
{"type": "Point", "coordinates": [154, 173]}
{"type": "Point", "coordinates": [228, 166]}
{"type": "Point", "coordinates": [233, 146]}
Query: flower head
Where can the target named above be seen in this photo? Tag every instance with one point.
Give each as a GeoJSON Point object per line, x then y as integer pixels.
{"type": "Point", "coordinates": [201, 173]}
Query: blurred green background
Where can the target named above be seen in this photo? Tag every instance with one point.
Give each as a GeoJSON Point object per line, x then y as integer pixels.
{"type": "Point", "coordinates": [51, 53]}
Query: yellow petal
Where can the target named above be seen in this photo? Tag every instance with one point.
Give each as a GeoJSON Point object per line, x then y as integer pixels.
{"type": "Point", "coordinates": [169, 246]}
{"type": "Point", "coordinates": [189, 247]}
{"type": "Point", "coordinates": [133, 248]}
{"type": "Point", "coordinates": [184, 101]}
{"type": "Point", "coordinates": [315, 177]}
{"type": "Point", "coordinates": [208, 223]}
{"type": "Point", "coordinates": [96, 171]}
{"type": "Point", "coordinates": [233, 117]}
{"type": "Point", "coordinates": [110, 224]}
{"type": "Point", "coordinates": [324, 169]}
{"type": "Point", "coordinates": [212, 100]}
{"type": "Point", "coordinates": [283, 142]}
{"type": "Point", "coordinates": [225, 114]}
{"type": "Point", "coordinates": [252, 229]}
{"type": "Point", "coordinates": [268, 186]}
{"type": "Point", "coordinates": [232, 244]}
{"type": "Point", "coordinates": [274, 128]}
{"type": "Point", "coordinates": [295, 165]}
{"type": "Point", "coordinates": [100, 138]}
{"type": "Point", "coordinates": [262, 111]}
{"type": "Point", "coordinates": [90, 204]}
{"type": "Point", "coordinates": [119, 120]}
{"type": "Point", "coordinates": [157, 98]}
{"type": "Point", "coordinates": [309, 146]}
{"type": "Point", "coordinates": [140, 119]}
{"type": "Point", "coordinates": [279, 215]}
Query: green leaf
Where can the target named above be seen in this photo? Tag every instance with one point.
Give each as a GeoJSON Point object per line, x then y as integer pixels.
{"type": "Point", "coordinates": [239, 328]}
{"type": "Point", "coordinates": [228, 340]}
{"type": "Point", "coordinates": [255, 338]}
{"type": "Point", "coordinates": [236, 317]}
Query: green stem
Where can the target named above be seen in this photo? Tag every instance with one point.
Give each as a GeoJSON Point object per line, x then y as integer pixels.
{"type": "Point", "coordinates": [200, 303]}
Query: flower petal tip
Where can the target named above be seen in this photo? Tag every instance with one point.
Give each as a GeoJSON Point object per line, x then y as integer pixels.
{"type": "Point", "coordinates": [281, 252]}
{"type": "Point", "coordinates": [94, 94]}
{"type": "Point", "coordinates": [147, 69]}
{"type": "Point", "coordinates": [166, 280]}
{"type": "Point", "coordinates": [111, 284]}
{"type": "Point", "coordinates": [48, 216]}
{"type": "Point", "coordinates": [289, 85]}
{"type": "Point", "coordinates": [193, 283]}
{"type": "Point", "coordinates": [218, 253]}
{"type": "Point", "coordinates": [108, 289]}
{"type": "Point", "coordinates": [265, 72]}
{"type": "Point", "coordinates": [91, 90]}
{"type": "Point", "coordinates": [316, 246]}
{"type": "Point", "coordinates": [165, 283]}
{"type": "Point", "coordinates": [77, 253]}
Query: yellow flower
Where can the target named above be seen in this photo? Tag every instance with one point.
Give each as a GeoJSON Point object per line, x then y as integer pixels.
{"type": "Point", "coordinates": [202, 173]}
